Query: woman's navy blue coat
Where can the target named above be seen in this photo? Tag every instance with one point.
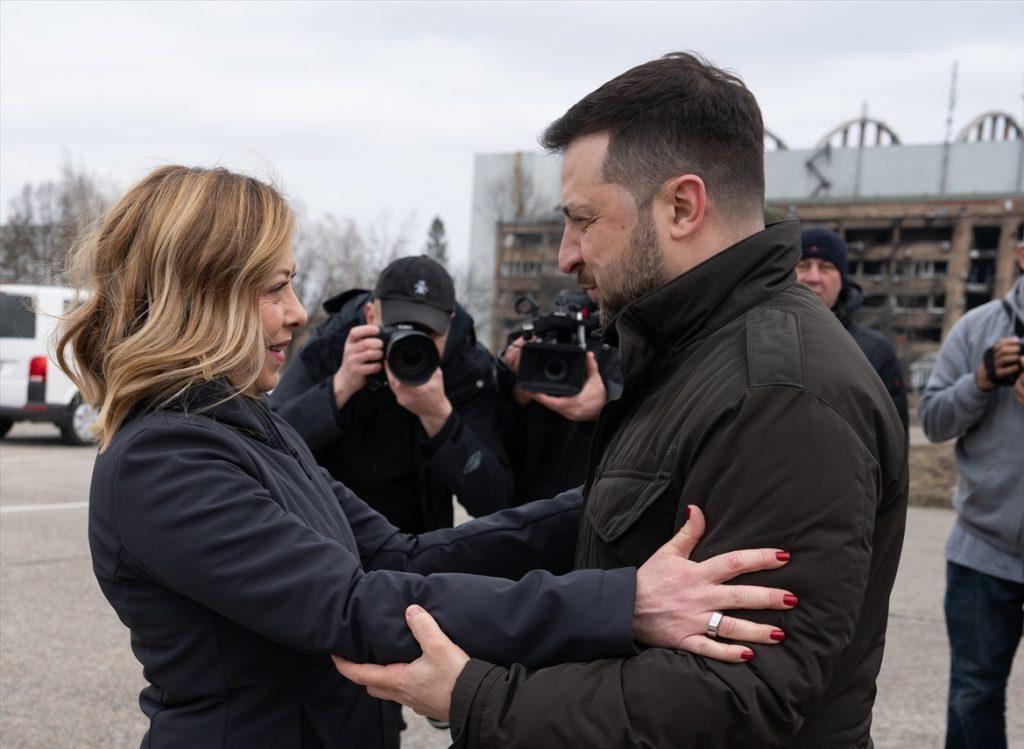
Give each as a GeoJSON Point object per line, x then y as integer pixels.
{"type": "Point", "coordinates": [239, 565]}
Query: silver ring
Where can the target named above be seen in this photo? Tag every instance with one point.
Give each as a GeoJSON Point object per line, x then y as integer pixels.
{"type": "Point", "coordinates": [714, 622]}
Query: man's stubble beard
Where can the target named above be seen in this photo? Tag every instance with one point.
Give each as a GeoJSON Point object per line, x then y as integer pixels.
{"type": "Point", "coordinates": [637, 271]}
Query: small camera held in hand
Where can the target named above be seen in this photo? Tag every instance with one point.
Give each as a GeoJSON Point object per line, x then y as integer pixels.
{"type": "Point", "coordinates": [554, 358]}
{"type": "Point", "coordinates": [989, 361]}
{"type": "Point", "coordinates": [410, 353]}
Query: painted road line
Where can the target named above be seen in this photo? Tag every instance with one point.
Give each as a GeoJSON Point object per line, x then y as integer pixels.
{"type": "Point", "coordinates": [44, 507]}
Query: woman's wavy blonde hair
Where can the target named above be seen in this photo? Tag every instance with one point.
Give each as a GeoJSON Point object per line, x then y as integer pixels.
{"type": "Point", "coordinates": [173, 274]}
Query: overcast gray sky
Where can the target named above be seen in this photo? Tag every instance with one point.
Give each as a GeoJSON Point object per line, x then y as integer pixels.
{"type": "Point", "coordinates": [376, 109]}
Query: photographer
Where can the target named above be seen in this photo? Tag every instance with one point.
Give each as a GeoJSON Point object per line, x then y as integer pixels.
{"type": "Point", "coordinates": [547, 437]}
{"type": "Point", "coordinates": [405, 448]}
{"type": "Point", "coordinates": [971, 397]}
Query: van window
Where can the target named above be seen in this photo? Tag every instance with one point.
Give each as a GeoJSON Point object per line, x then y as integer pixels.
{"type": "Point", "coordinates": [17, 318]}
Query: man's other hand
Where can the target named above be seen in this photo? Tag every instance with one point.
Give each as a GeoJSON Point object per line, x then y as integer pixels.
{"type": "Point", "coordinates": [426, 684]}
{"type": "Point", "coordinates": [675, 597]}
{"type": "Point", "coordinates": [364, 351]}
{"type": "Point", "coordinates": [427, 401]}
{"type": "Point", "coordinates": [586, 405]}
{"type": "Point", "coordinates": [1007, 361]}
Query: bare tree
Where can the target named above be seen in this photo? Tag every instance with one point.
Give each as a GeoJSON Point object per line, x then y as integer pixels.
{"type": "Point", "coordinates": [44, 220]}
{"type": "Point", "coordinates": [334, 254]}
{"type": "Point", "coordinates": [512, 196]}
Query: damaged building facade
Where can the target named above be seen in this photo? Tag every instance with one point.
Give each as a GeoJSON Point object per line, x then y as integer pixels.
{"type": "Point", "coordinates": [931, 229]}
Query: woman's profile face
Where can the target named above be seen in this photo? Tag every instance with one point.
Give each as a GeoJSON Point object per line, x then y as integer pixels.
{"type": "Point", "coordinates": [282, 314]}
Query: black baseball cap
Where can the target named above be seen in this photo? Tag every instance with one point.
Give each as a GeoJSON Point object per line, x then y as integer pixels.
{"type": "Point", "coordinates": [416, 289]}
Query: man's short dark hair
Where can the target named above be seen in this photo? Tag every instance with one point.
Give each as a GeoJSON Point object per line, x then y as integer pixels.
{"type": "Point", "coordinates": [675, 115]}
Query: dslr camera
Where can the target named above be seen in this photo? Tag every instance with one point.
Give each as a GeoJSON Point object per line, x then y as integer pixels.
{"type": "Point", "coordinates": [410, 353]}
{"type": "Point", "coordinates": [554, 357]}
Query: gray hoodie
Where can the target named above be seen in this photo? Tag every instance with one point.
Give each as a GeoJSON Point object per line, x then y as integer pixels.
{"type": "Point", "coordinates": [988, 427]}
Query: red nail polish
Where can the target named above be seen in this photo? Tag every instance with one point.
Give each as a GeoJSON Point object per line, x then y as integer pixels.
{"type": "Point", "coordinates": [778, 635]}
{"type": "Point", "coordinates": [790, 600]}
{"type": "Point", "coordinates": [782, 556]}
{"type": "Point", "coordinates": [687, 512]}
{"type": "Point", "coordinates": [747, 655]}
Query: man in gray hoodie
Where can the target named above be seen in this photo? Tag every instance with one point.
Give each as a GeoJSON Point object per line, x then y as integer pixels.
{"type": "Point", "coordinates": [970, 396]}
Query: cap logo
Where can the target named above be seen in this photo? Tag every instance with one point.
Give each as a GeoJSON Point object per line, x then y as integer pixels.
{"type": "Point", "coordinates": [815, 248]}
{"type": "Point", "coordinates": [420, 288]}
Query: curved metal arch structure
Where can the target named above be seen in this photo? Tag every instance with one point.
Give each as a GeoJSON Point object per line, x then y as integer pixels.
{"type": "Point", "coordinates": [991, 126]}
{"type": "Point", "coordinates": [860, 131]}
{"type": "Point", "coordinates": [772, 142]}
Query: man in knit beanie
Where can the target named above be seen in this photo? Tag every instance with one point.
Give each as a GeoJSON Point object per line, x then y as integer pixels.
{"type": "Point", "coordinates": [822, 269]}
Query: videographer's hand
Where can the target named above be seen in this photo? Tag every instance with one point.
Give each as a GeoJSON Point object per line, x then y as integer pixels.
{"type": "Point", "coordinates": [1007, 361]}
{"type": "Point", "coordinates": [364, 351]}
{"type": "Point", "coordinates": [511, 356]}
{"type": "Point", "coordinates": [675, 597]}
{"type": "Point", "coordinates": [586, 405]}
{"type": "Point", "coordinates": [427, 401]}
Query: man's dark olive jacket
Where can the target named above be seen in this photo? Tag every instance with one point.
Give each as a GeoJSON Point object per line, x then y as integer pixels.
{"type": "Point", "coordinates": [743, 395]}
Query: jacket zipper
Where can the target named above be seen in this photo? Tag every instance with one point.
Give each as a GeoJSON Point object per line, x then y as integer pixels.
{"type": "Point", "coordinates": [268, 419]}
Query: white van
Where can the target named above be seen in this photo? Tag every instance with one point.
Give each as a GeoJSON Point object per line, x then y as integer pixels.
{"type": "Point", "coordinates": [32, 387]}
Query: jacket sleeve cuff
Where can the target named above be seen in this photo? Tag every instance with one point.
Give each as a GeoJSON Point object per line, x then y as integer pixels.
{"type": "Point", "coordinates": [476, 678]}
{"type": "Point", "coordinates": [613, 616]}
{"type": "Point", "coordinates": [430, 445]}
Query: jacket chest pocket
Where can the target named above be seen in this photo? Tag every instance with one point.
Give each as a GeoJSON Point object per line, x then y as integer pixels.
{"type": "Point", "coordinates": [631, 514]}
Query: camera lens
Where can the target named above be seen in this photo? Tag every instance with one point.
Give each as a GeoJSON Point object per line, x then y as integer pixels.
{"type": "Point", "coordinates": [412, 356]}
{"type": "Point", "coordinates": [554, 369]}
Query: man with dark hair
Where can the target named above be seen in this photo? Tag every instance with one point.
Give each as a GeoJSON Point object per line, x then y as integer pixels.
{"type": "Point", "coordinates": [736, 378]}
{"type": "Point", "coordinates": [405, 449]}
{"type": "Point", "coordinates": [823, 270]}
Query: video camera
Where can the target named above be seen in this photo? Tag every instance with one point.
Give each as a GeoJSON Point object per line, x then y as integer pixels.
{"type": "Point", "coordinates": [554, 358]}
{"type": "Point", "coordinates": [410, 353]}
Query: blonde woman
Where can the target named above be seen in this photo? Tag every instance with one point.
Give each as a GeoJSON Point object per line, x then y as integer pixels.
{"type": "Point", "coordinates": [238, 564]}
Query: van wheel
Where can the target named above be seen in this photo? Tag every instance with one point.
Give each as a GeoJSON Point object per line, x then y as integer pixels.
{"type": "Point", "coordinates": [75, 430]}
{"type": "Point", "coordinates": [5, 427]}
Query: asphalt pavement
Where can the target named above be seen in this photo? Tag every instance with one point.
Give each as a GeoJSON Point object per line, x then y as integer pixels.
{"type": "Point", "coordinates": [68, 678]}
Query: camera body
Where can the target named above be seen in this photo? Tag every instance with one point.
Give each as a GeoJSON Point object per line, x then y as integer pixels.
{"type": "Point", "coordinates": [989, 362]}
{"type": "Point", "coordinates": [554, 358]}
{"type": "Point", "coordinates": [410, 353]}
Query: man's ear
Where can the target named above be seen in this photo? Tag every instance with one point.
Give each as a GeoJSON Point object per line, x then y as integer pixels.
{"type": "Point", "coordinates": [685, 198]}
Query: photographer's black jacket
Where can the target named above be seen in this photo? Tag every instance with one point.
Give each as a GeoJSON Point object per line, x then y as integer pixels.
{"type": "Point", "coordinates": [239, 565]}
{"type": "Point", "coordinates": [876, 347]}
{"type": "Point", "coordinates": [379, 449]}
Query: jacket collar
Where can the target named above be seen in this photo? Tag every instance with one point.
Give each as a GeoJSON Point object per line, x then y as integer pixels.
{"type": "Point", "coordinates": [217, 400]}
{"type": "Point", "coordinates": [706, 297]}
{"type": "Point", "coordinates": [851, 297]}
